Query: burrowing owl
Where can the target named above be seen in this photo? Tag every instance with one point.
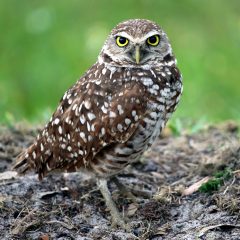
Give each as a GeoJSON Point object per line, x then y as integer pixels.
{"type": "Point", "coordinates": [114, 111]}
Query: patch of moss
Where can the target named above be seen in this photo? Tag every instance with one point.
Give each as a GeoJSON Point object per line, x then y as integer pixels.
{"type": "Point", "coordinates": [211, 185]}
{"type": "Point", "coordinates": [216, 182]}
{"type": "Point", "coordinates": [225, 174]}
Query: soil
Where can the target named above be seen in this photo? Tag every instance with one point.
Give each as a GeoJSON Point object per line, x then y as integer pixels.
{"type": "Point", "coordinates": [165, 182]}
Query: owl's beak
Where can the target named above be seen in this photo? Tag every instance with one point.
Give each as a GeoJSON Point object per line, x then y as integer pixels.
{"type": "Point", "coordinates": [137, 54]}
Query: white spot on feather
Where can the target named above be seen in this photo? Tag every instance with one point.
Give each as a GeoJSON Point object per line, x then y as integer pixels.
{"type": "Point", "coordinates": [104, 109]}
{"type": "Point", "coordinates": [127, 121]}
{"type": "Point", "coordinates": [152, 72]}
{"type": "Point", "coordinates": [163, 74]}
{"type": "Point", "coordinates": [153, 115]}
{"type": "Point", "coordinates": [89, 138]}
{"type": "Point", "coordinates": [161, 108]}
{"type": "Point", "coordinates": [155, 86]}
{"type": "Point", "coordinates": [82, 119]}
{"type": "Point", "coordinates": [112, 114]}
{"type": "Point", "coordinates": [88, 126]}
{"type": "Point", "coordinates": [120, 127]}
{"type": "Point", "coordinates": [120, 110]}
{"type": "Point", "coordinates": [56, 121]}
{"type": "Point", "coordinates": [67, 120]}
{"type": "Point", "coordinates": [93, 127]}
{"type": "Point", "coordinates": [74, 107]}
{"type": "Point", "coordinates": [104, 71]}
{"type": "Point", "coordinates": [60, 130]}
{"type": "Point", "coordinates": [82, 135]}
{"type": "Point", "coordinates": [147, 81]}
{"type": "Point", "coordinates": [91, 116]}
{"type": "Point", "coordinates": [134, 113]}
{"type": "Point", "coordinates": [87, 104]}
{"type": "Point", "coordinates": [103, 131]}
{"type": "Point", "coordinates": [42, 148]}
{"type": "Point", "coordinates": [98, 82]}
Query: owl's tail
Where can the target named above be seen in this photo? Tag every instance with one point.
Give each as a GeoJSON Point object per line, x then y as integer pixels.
{"type": "Point", "coordinates": [29, 160]}
{"type": "Point", "coordinates": [24, 162]}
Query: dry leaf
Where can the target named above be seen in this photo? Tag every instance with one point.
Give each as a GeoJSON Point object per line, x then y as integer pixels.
{"type": "Point", "coordinates": [132, 208]}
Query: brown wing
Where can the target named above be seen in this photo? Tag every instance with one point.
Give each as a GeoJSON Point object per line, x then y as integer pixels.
{"type": "Point", "coordinates": [90, 116]}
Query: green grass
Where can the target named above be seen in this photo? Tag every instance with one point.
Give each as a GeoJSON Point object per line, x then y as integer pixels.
{"type": "Point", "coordinates": [189, 126]}
{"type": "Point", "coordinates": [46, 45]}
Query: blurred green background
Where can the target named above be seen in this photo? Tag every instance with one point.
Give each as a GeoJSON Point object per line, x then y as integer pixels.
{"type": "Point", "coordinates": [45, 46]}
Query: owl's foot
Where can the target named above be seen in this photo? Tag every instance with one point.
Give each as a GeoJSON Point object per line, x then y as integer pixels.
{"type": "Point", "coordinates": [132, 194]}
{"type": "Point", "coordinates": [124, 190]}
{"type": "Point", "coordinates": [117, 220]}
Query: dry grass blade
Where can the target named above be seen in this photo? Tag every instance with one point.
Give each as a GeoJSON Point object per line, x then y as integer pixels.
{"type": "Point", "coordinates": [23, 224]}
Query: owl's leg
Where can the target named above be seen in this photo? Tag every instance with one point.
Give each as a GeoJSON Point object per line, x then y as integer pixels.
{"type": "Point", "coordinates": [124, 190]}
{"type": "Point", "coordinates": [117, 220]}
{"type": "Point", "coordinates": [132, 194]}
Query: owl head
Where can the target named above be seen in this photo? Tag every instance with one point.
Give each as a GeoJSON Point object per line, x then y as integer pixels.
{"type": "Point", "coordinates": [135, 43]}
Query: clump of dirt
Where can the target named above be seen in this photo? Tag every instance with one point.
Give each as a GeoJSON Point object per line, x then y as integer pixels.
{"type": "Point", "coordinates": [165, 182]}
{"type": "Point", "coordinates": [155, 210]}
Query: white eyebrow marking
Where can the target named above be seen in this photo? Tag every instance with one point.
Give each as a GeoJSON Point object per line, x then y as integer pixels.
{"type": "Point", "coordinates": [138, 40]}
{"type": "Point", "coordinates": [154, 32]}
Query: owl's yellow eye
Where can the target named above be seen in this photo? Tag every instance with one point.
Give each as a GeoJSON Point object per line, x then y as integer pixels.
{"type": "Point", "coordinates": [122, 41]}
{"type": "Point", "coordinates": [153, 40]}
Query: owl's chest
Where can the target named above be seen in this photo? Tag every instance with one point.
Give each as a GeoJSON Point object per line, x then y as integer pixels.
{"type": "Point", "coordinates": [159, 97]}
{"type": "Point", "coordinates": [150, 126]}
{"type": "Point", "coordinates": [162, 99]}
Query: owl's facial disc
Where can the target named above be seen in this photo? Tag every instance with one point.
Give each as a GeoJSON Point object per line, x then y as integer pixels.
{"type": "Point", "coordinates": [135, 43]}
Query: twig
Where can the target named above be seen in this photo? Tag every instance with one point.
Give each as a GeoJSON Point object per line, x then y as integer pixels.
{"type": "Point", "coordinates": [236, 171]}
{"type": "Point", "coordinates": [87, 194]}
{"type": "Point", "coordinates": [69, 227]}
{"type": "Point", "coordinates": [205, 229]}
{"type": "Point", "coordinates": [194, 187]}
